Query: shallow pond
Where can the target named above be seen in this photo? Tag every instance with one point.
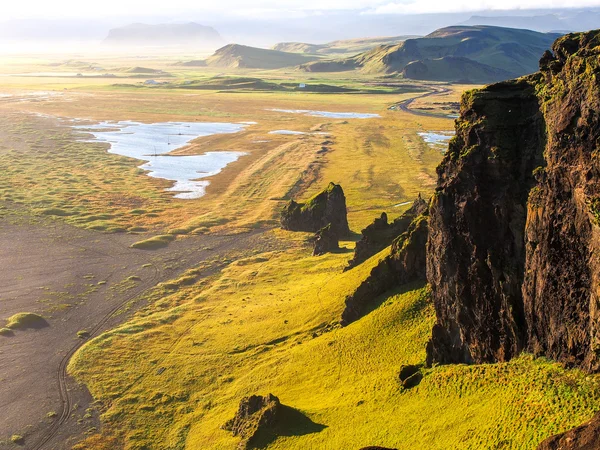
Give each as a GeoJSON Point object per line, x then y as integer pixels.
{"type": "Point", "coordinates": [151, 142]}
{"type": "Point", "coordinates": [328, 114]}
{"type": "Point", "coordinates": [437, 139]}
{"type": "Point", "coordinates": [290, 132]}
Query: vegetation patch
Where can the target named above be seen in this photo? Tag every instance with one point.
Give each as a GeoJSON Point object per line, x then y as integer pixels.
{"type": "Point", "coordinates": [154, 242]}
{"type": "Point", "coordinates": [22, 321]}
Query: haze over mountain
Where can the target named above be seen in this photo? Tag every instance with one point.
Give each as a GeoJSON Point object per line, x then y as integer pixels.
{"type": "Point", "coordinates": [571, 21]}
{"type": "Point", "coordinates": [342, 46]}
{"type": "Point", "coordinates": [459, 53]}
{"type": "Point", "coordinates": [312, 27]}
{"type": "Point", "coordinates": [186, 34]}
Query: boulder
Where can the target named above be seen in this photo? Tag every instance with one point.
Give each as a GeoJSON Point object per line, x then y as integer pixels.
{"type": "Point", "coordinates": [255, 413]}
{"type": "Point", "coordinates": [376, 447]}
{"type": "Point", "coordinates": [326, 241]}
{"type": "Point", "coordinates": [584, 437]}
{"type": "Point", "coordinates": [412, 381]}
{"type": "Point", "coordinates": [327, 207]}
{"type": "Point", "coordinates": [407, 371]}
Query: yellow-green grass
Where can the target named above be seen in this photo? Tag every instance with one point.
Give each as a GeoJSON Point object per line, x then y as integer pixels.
{"type": "Point", "coordinates": [25, 320]}
{"type": "Point", "coordinates": [52, 173]}
{"type": "Point", "coordinates": [176, 372]}
{"type": "Point", "coordinates": [154, 242]}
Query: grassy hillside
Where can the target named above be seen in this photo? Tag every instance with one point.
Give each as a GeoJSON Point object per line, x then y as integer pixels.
{"type": "Point", "coordinates": [173, 375]}
{"type": "Point", "coordinates": [496, 53]}
{"type": "Point", "coordinates": [453, 69]}
{"type": "Point", "coordinates": [235, 56]}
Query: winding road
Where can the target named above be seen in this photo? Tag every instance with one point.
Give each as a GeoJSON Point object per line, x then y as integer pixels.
{"type": "Point", "coordinates": [404, 105]}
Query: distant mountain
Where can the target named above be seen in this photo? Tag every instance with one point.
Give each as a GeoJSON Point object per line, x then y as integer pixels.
{"type": "Point", "coordinates": [495, 53]}
{"type": "Point", "coordinates": [346, 46]}
{"type": "Point", "coordinates": [575, 20]}
{"type": "Point", "coordinates": [185, 34]}
{"type": "Point", "coordinates": [235, 56]}
{"type": "Point", "coordinates": [547, 22]}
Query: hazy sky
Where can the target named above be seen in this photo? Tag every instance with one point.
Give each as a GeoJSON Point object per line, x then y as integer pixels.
{"type": "Point", "coordinates": [53, 9]}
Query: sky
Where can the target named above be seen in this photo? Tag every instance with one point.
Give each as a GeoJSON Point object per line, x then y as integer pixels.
{"type": "Point", "coordinates": [65, 9]}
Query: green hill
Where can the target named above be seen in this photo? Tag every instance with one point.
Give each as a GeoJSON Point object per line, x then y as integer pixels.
{"type": "Point", "coordinates": [346, 46]}
{"type": "Point", "coordinates": [235, 56]}
{"type": "Point", "coordinates": [497, 51]}
{"type": "Point", "coordinates": [453, 69]}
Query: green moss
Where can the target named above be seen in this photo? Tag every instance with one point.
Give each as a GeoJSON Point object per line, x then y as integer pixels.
{"type": "Point", "coordinates": [25, 320]}
{"type": "Point", "coordinates": [154, 242]}
{"type": "Point", "coordinates": [56, 212]}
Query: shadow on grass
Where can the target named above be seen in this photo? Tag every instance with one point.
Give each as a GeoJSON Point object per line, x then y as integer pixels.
{"type": "Point", "coordinates": [353, 236]}
{"type": "Point", "coordinates": [413, 310]}
{"type": "Point", "coordinates": [6, 332]}
{"type": "Point", "coordinates": [343, 250]}
{"type": "Point", "coordinates": [291, 422]}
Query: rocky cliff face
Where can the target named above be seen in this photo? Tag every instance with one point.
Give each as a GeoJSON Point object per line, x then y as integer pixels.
{"type": "Point", "coordinates": [514, 239]}
{"type": "Point", "coordinates": [327, 207]}
{"type": "Point", "coordinates": [380, 234]}
{"type": "Point", "coordinates": [405, 263]}
{"type": "Point", "coordinates": [584, 437]}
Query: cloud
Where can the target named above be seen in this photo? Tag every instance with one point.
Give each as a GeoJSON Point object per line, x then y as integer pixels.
{"type": "Point", "coordinates": [264, 8]}
{"type": "Point", "coordinates": [444, 6]}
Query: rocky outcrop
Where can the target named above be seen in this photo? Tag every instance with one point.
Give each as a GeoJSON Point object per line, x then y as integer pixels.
{"type": "Point", "coordinates": [561, 288]}
{"type": "Point", "coordinates": [327, 207]}
{"type": "Point", "coordinates": [405, 263]}
{"type": "Point", "coordinates": [326, 241]}
{"type": "Point", "coordinates": [255, 414]}
{"type": "Point", "coordinates": [584, 437]}
{"type": "Point", "coordinates": [410, 376]}
{"type": "Point", "coordinates": [375, 447]}
{"type": "Point", "coordinates": [513, 235]}
{"type": "Point", "coordinates": [380, 234]}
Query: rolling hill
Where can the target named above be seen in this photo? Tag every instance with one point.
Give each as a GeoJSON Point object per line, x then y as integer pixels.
{"type": "Point", "coordinates": [186, 34]}
{"type": "Point", "coordinates": [494, 53]}
{"type": "Point", "coordinates": [346, 46]}
{"type": "Point", "coordinates": [453, 68]}
{"type": "Point", "coordinates": [235, 56]}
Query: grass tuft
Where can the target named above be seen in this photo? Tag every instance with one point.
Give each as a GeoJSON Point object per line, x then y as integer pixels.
{"type": "Point", "coordinates": [154, 242]}
{"type": "Point", "coordinates": [26, 320]}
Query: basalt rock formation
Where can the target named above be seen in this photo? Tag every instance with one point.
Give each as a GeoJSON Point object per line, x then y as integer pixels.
{"type": "Point", "coordinates": [380, 234]}
{"type": "Point", "coordinates": [375, 447]}
{"type": "Point", "coordinates": [584, 437]}
{"type": "Point", "coordinates": [514, 241]}
{"type": "Point", "coordinates": [405, 263]}
{"type": "Point", "coordinates": [254, 414]}
{"type": "Point", "coordinates": [328, 207]}
{"type": "Point", "coordinates": [326, 241]}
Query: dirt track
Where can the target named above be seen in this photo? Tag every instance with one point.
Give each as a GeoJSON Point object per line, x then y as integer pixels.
{"type": "Point", "coordinates": [52, 268]}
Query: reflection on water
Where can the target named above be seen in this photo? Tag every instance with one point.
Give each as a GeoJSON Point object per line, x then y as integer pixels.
{"type": "Point", "coordinates": [152, 142]}
{"type": "Point", "coordinates": [437, 139]}
{"type": "Point", "coordinates": [328, 114]}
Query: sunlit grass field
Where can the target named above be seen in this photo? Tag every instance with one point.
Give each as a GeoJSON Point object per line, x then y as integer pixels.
{"type": "Point", "coordinates": [174, 375]}
{"type": "Point", "coordinates": [170, 377]}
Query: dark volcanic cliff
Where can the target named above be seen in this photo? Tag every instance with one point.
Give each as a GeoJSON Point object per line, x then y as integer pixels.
{"type": "Point", "coordinates": [380, 234]}
{"type": "Point", "coordinates": [513, 235]}
{"type": "Point", "coordinates": [325, 208]}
